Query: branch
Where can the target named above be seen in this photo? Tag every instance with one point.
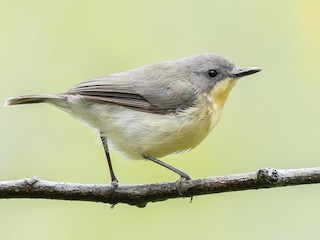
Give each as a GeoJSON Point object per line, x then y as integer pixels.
{"type": "Point", "coordinates": [140, 195]}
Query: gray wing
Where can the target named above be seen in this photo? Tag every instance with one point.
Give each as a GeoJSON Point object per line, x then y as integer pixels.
{"type": "Point", "coordinates": [153, 88]}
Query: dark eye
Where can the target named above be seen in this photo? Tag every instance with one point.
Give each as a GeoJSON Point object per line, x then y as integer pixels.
{"type": "Point", "coordinates": [212, 73]}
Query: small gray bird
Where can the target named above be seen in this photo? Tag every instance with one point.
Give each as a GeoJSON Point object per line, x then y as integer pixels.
{"type": "Point", "coordinates": [152, 111]}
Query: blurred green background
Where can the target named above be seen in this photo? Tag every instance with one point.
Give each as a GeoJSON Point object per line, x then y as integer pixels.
{"type": "Point", "coordinates": [271, 119]}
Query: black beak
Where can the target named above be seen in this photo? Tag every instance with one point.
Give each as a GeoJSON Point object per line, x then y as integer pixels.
{"type": "Point", "coordinates": [241, 72]}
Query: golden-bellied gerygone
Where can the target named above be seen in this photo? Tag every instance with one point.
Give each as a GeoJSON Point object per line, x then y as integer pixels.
{"type": "Point", "coordinates": [152, 111]}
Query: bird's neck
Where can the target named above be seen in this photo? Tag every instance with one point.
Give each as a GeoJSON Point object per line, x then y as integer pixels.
{"type": "Point", "coordinates": [216, 100]}
{"type": "Point", "coordinates": [220, 93]}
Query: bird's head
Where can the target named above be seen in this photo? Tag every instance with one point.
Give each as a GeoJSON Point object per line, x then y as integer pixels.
{"type": "Point", "coordinates": [213, 74]}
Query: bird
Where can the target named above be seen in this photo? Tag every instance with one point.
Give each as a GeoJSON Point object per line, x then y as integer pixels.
{"type": "Point", "coordinates": [150, 112]}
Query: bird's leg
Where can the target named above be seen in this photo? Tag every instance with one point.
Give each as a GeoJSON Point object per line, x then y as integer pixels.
{"type": "Point", "coordinates": [183, 175]}
{"type": "Point", "coordinates": [114, 180]}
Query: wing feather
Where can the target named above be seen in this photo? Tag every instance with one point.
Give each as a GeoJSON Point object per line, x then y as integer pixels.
{"type": "Point", "coordinates": [157, 89]}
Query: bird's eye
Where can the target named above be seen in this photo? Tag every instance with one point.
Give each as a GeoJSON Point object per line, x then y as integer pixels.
{"type": "Point", "coordinates": [212, 73]}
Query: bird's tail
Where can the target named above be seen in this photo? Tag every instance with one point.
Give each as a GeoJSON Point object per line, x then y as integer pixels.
{"type": "Point", "coordinates": [27, 99]}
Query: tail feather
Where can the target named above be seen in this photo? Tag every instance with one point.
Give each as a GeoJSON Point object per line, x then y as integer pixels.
{"type": "Point", "coordinates": [27, 99]}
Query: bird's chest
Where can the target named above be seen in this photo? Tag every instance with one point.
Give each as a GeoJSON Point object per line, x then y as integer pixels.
{"type": "Point", "coordinates": [197, 122]}
{"type": "Point", "coordinates": [211, 105]}
{"type": "Point", "coordinates": [212, 112]}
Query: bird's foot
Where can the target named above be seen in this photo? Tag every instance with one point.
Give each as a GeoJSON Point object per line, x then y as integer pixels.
{"type": "Point", "coordinates": [114, 185]}
{"type": "Point", "coordinates": [182, 179]}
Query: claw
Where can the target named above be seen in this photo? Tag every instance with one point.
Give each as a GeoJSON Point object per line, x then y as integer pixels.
{"type": "Point", "coordinates": [114, 185]}
{"type": "Point", "coordinates": [181, 180]}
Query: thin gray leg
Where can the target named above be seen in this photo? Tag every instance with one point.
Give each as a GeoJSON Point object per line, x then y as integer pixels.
{"type": "Point", "coordinates": [114, 180]}
{"type": "Point", "coordinates": [183, 175]}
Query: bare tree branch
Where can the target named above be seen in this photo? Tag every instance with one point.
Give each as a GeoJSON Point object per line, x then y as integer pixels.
{"type": "Point", "coordinates": [140, 195]}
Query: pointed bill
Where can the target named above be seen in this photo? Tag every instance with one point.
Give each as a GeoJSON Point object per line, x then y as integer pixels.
{"type": "Point", "coordinates": [241, 72]}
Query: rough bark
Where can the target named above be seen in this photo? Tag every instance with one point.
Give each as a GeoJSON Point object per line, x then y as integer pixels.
{"type": "Point", "coordinates": [140, 195]}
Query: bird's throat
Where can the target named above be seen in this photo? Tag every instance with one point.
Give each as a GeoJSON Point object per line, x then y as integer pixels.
{"type": "Point", "coordinates": [221, 91]}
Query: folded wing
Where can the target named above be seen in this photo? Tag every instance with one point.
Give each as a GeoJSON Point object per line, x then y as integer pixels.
{"type": "Point", "coordinates": [157, 90]}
